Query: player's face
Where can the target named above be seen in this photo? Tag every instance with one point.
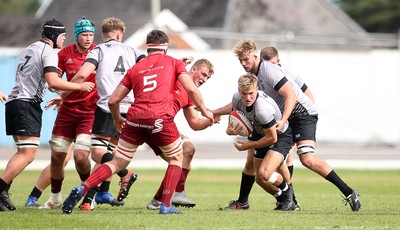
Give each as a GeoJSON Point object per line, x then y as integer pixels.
{"type": "Point", "coordinates": [200, 75]}
{"type": "Point", "coordinates": [60, 40]}
{"type": "Point", "coordinates": [248, 96]}
{"type": "Point", "coordinates": [248, 61]}
{"type": "Point", "coordinates": [85, 39]}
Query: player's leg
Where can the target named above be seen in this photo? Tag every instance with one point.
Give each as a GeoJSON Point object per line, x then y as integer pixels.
{"type": "Point", "coordinates": [59, 150]}
{"type": "Point", "coordinates": [127, 178]}
{"type": "Point", "coordinates": [289, 160]}
{"type": "Point", "coordinates": [286, 171]}
{"type": "Point", "coordinates": [306, 126]}
{"type": "Point", "coordinates": [246, 184]}
{"type": "Point", "coordinates": [43, 182]}
{"type": "Point", "coordinates": [179, 198]}
{"type": "Point", "coordinates": [20, 115]}
{"type": "Point", "coordinates": [103, 132]}
{"type": "Point", "coordinates": [267, 174]}
{"type": "Point", "coordinates": [26, 152]}
{"type": "Point", "coordinates": [125, 153]}
{"type": "Point", "coordinates": [174, 156]}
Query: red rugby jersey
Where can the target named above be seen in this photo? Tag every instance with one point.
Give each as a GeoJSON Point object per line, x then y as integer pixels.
{"type": "Point", "coordinates": [78, 102]}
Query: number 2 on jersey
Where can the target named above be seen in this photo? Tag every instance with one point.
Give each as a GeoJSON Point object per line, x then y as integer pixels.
{"type": "Point", "coordinates": [149, 83]}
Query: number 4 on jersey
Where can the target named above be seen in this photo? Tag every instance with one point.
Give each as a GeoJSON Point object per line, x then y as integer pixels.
{"type": "Point", "coordinates": [120, 66]}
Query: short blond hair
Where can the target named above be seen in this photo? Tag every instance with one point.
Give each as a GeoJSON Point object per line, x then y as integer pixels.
{"type": "Point", "coordinates": [267, 53]}
{"type": "Point", "coordinates": [112, 24]}
{"type": "Point", "coordinates": [245, 46]}
{"type": "Point", "coordinates": [247, 80]}
{"type": "Point", "coordinates": [206, 63]}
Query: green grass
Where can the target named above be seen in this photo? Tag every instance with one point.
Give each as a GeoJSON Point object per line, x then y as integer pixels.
{"type": "Point", "coordinates": [212, 189]}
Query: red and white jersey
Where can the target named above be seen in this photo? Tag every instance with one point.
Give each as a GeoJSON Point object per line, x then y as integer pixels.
{"type": "Point", "coordinates": [153, 81]}
{"type": "Point", "coordinates": [34, 61]}
{"type": "Point", "coordinates": [112, 60]}
{"type": "Point", "coordinates": [78, 102]}
{"type": "Point", "coordinates": [181, 98]}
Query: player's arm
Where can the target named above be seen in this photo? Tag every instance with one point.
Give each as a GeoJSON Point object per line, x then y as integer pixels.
{"type": "Point", "coordinates": [195, 96]}
{"type": "Point", "coordinates": [309, 94]}
{"type": "Point", "coordinates": [225, 110]}
{"type": "Point", "coordinates": [57, 83]}
{"type": "Point", "coordinates": [290, 101]}
{"type": "Point", "coordinates": [271, 136]}
{"type": "Point", "coordinates": [86, 69]}
{"type": "Point", "coordinates": [113, 103]}
{"type": "Point", "coordinates": [195, 121]}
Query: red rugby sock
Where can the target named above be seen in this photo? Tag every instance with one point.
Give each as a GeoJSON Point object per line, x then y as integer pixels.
{"type": "Point", "coordinates": [171, 178]}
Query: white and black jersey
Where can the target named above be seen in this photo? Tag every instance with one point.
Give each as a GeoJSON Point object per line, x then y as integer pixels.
{"type": "Point", "coordinates": [264, 113]}
{"type": "Point", "coordinates": [294, 75]}
{"type": "Point", "coordinates": [34, 61]}
{"type": "Point", "coordinates": [271, 78]}
{"type": "Point", "coordinates": [112, 60]}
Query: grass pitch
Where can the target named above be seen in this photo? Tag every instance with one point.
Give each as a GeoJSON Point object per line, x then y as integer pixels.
{"type": "Point", "coordinates": [320, 201]}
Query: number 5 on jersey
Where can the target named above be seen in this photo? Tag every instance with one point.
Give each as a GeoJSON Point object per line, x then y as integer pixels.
{"type": "Point", "coordinates": [149, 83]}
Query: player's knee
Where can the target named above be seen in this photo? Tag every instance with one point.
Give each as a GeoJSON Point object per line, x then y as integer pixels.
{"type": "Point", "coordinates": [80, 157]}
{"type": "Point", "coordinates": [188, 150]}
{"type": "Point", "coordinates": [271, 178]}
{"type": "Point", "coordinates": [57, 158]}
{"type": "Point", "coordinates": [83, 142]}
{"type": "Point", "coordinates": [59, 145]}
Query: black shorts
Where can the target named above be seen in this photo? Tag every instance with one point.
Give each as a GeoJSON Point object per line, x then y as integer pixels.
{"type": "Point", "coordinates": [304, 127]}
{"type": "Point", "coordinates": [282, 145]}
{"type": "Point", "coordinates": [23, 118]}
{"type": "Point", "coordinates": [103, 124]}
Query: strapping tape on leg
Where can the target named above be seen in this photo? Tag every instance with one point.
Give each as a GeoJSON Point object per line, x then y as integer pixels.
{"type": "Point", "coordinates": [27, 144]}
{"type": "Point", "coordinates": [100, 143]}
{"type": "Point", "coordinates": [174, 150]}
{"type": "Point", "coordinates": [273, 178]}
{"type": "Point", "coordinates": [59, 145]}
{"type": "Point", "coordinates": [83, 142]}
{"type": "Point", "coordinates": [304, 149]}
{"type": "Point", "coordinates": [125, 152]}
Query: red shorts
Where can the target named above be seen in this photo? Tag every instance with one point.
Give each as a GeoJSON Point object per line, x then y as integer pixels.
{"type": "Point", "coordinates": [70, 125]}
{"type": "Point", "coordinates": [159, 132]}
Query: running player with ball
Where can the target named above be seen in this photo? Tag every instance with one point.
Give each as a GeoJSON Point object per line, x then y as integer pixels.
{"type": "Point", "coordinates": [271, 145]}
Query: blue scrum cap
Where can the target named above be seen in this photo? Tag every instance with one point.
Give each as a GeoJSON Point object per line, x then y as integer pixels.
{"type": "Point", "coordinates": [81, 26]}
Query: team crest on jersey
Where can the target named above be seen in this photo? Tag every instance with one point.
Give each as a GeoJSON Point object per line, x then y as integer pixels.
{"type": "Point", "coordinates": [69, 61]}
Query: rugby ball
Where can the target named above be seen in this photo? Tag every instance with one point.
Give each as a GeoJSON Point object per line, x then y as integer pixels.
{"type": "Point", "coordinates": [237, 117]}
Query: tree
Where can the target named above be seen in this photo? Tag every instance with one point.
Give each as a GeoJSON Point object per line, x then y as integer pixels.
{"type": "Point", "coordinates": [376, 16]}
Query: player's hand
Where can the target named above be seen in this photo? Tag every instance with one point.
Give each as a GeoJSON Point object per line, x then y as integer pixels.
{"type": "Point", "coordinates": [233, 130]}
{"type": "Point", "coordinates": [279, 126]}
{"type": "Point", "coordinates": [3, 97]}
{"type": "Point", "coordinates": [60, 72]}
{"type": "Point", "coordinates": [56, 101]}
{"type": "Point", "coordinates": [86, 86]}
{"type": "Point", "coordinates": [217, 119]}
{"type": "Point", "coordinates": [241, 146]}
{"type": "Point", "coordinates": [210, 116]}
{"type": "Point", "coordinates": [186, 60]}
{"type": "Point", "coordinates": [119, 123]}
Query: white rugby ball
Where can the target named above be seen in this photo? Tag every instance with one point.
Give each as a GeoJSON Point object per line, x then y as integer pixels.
{"type": "Point", "coordinates": [237, 117]}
